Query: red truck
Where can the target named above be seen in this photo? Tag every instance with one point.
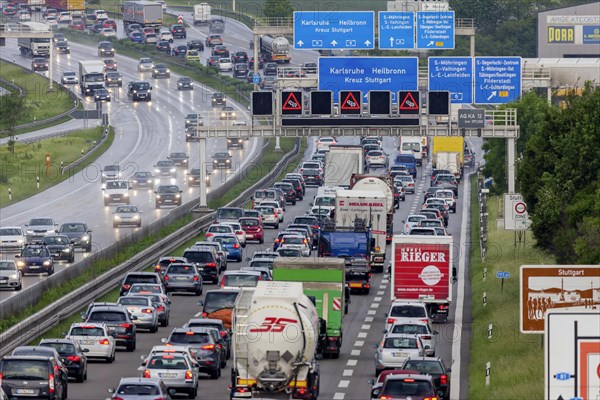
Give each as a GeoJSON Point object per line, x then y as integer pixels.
{"type": "Point", "coordinates": [421, 271]}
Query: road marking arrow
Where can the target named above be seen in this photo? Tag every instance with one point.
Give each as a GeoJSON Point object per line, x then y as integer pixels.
{"type": "Point", "coordinates": [491, 96]}
{"type": "Point", "coordinates": [333, 43]}
{"type": "Point", "coordinates": [300, 43]}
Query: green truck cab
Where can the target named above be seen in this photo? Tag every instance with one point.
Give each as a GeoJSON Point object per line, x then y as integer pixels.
{"type": "Point", "coordinates": [323, 279]}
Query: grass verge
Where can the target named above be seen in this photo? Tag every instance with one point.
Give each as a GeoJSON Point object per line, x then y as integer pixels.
{"type": "Point", "coordinates": [517, 360]}
{"type": "Point", "coordinates": [39, 103]}
{"type": "Point", "coordinates": [19, 171]}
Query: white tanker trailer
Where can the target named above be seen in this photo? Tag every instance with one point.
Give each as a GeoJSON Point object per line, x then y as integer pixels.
{"type": "Point", "coordinates": [276, 330]}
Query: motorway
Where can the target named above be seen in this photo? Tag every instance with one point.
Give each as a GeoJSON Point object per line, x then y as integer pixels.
{"type": "Point", "coordinates": [345, 378]}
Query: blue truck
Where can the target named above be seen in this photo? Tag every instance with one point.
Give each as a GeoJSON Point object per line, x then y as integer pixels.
{"type": "Point", "coordinates": [346, 243]}
{"type": "Point", "coordinates": [409, 161]}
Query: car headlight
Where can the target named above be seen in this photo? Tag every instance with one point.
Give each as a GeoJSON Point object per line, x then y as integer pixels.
{"type": "Point", "coordinates": [173, 169]}
{"type": "Point", "coordinates": [228, 161]}
{"type": "Point", "coordinates": [149, 181]}
{"type": "Point", "coordinates": [13, 276]}
{"type": "Point", "coordinates": [167, 71]}
{"type": "Point", "coordinates": [20, 241]}
{"type": "Point", "coordinates": [85, 238]}
{"type": "Point", "coordinates": [177, 196]}
{"type": "Point", "coordinates": [47, 263]}
{"type": "Point", "coordinates": [20, 264]}
{"type": "Point", "coordinates": [126, 195]}
{"type": "Point", "coordinates": [106, 195]}
{"type": "Point", "coordinates": [156, 170]}
{"type": "Point", "coordinates": [30, 232]}
{"type": "Point", "coordinates": [67, 250]}
{"type": "Point", "coordinates": [117, 218]}
{"type": "Point", "coordinates": [158, 196]}
{"type": "Point", "coordinates": [136, 217]}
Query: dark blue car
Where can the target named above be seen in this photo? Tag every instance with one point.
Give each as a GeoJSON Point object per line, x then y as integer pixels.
{"type": "Point", "coordinates": [409, 161]}
{"type": "Point", "coordinates": [35, 259]}
{"type": "Point", "coordinates": [231, 244]}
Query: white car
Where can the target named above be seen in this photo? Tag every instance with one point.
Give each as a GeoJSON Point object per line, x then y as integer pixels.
{"type": "Point", "coordinates": [108, 32]}
{"type": "Point", "coordinates": [69, 78]}
{"type": "Point", "coordinates": [422, 330]}
{"type": "Point", "coordinates": [323, 211]}
{"type": "Point", "coordinates": [150, 38]}
{"type": "Point", "coordinates": [51, 21]}
{"type": "Point", "coordinates": [94, 338]}
{"type": "Point", "coordinates": [40, 227]}
{"type": "Point", "coordinates": [412, 221]}
{"type": "Point", "coordinates": [269, 215]}
{"type": "Point", "coordinates": [176, 371]}
{"type": "Point", "coordinates": [64, 17]}
{"type": "Point", "coordinates": [449, 197]}
{"type": "Point", "coordinates": [166, 35]}
{"type": "Point", "coordinates": [404, 311]}
{"type": "Point", "coordinates": [395, 348]}
{"type": "Point", "coordinates": [238, 279]}
{"type": "Point", "coordinates": [295, 242]}
{"type": "Point", "coordinates": [12, 238]}
{"type": "Point", "coordinates": [225, 64]}
{"type": "Point", "coordinates": [116, 192]}
{"type": "Point", "coordinates": [407, 181]}
{"type": "Point", "coordinates": [101, 14]}
{"type": "Point", "coordinates": [275, 205]}
{"type": "Point", "coordinates": [239, 232]}
{"type": "Point", "coordinates": [143, 308]}
{"type": "Point", "coordinates": [174, 350]}
{"type": "Point", "coordinates": [216, 229]}
{"type": "Point", "coordinates": [324, 143]}
{"type": "Point", "coordinates": [376, 157]}
{"type": "Point", "coordinates": [10, 276]}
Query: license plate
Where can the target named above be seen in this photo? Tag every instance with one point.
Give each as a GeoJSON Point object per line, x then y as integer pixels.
{"type": "Point", "coordinates": [400, 354]}
{"type": "Point", "coordinates": [3, 280]}
{"type": "Point", "coordinates": [167, 201]}
{"type": "Point", "coordinates": [167, 375]}
{"type": "Point", "coordinates": [24, 391]}
{"type": "Point", "coordinates": [88, 342]}
{"type": "Point", "coordinates": [182, 278]}
{"type": "Point", "coordinates": [200, 269]}
{"type": "Point", "coordinates": [355, 285]}
{"type": "Point", "coordinates": [34, 267]}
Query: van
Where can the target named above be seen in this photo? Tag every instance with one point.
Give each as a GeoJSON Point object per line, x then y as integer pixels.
{"type": "Point", "coordinates": [409, 161]}
{"type": "Point", "coordinates": [239, 279]}
{"type": "Point", "coordinates": [412, 145]}
{"type": "Point", "coordinates": [41, 382]}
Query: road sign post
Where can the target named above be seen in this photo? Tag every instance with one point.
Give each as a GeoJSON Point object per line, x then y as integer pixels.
{"type": "Point", "coordinates": [502, 275]}
{"type": "Point", "coordinates": [454, 74]}
{"type": "Point", "coordinates": [497, 79]}
{"type": "Point", "coordinates": [396, 30]}
{"type": "Point", "coordinates": [435, 30]}
{"type": "Point", "coordinates": [331, 30]}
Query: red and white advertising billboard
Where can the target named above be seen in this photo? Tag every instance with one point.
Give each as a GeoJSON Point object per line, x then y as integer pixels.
{"type": "Point", "coordinates": [422, 268]}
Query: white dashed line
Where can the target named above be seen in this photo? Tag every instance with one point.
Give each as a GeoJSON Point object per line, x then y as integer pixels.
{"type": "Point", "coordinates": [371, 312]}
{"type": "Point", "coordinates": [344, 384]}
{"type": "Point", "coordinates": [359, 343]}
{"type": "Point", "coordinates": [378, 298]}
{"type": "Point", "coordinates": [380, 292]}
{"type": "Point", "coordinates": [365, 327]}
{"type": "Point", "coordinates": [339, 396]}
{"type": "Point", "coordinates": [355, 353]}
{"type": "Point", "coordinates": [352, 363]}
{"type": "Point", "coordinates": [348, 372]}
{"type": "Point", "coordinates": [368, 319]}
{"type": "Point", "coordinates": [362, 335]}
{"type": "Point", "coordinates": [375, 305]}
{"type": "Point", "coordinates": [385, 280]}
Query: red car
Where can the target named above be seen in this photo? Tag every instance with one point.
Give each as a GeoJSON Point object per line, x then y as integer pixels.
{"type": "Point", "coordinates": [109, 23]}
{"type": "Point", "coordinates": [77, 25]}
{"type": "Point", "coordinates": [253, 228]}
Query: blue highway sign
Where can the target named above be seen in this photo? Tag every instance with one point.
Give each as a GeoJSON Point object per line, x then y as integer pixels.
{"type": "Point", "coordinates": [502, 274]}
{"type": "Point", "coordinates": [324, 30]}
{"type": "Point", "coordinates": [256, 78]}
{"type": "Point", "coordinates": [497, 79]}
{"type": "Point", "coordinates": [453, 74]}
{"type": "Point", "coordinates": [435, 30]}
{"type": "Point", "coordinates": [368, 73]}
{"type": "Point", "coordinates": [562, 376]}
{"type": "Point", "coordinates": [396, 30]}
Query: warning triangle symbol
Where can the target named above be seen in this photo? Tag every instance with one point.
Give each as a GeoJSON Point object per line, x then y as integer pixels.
{"type": "Point", "coordinates": [350, 102]}
{"type": "Point", "coordinates": [291, 103]}
{"type": "Point", "coordinates": [409, 103]}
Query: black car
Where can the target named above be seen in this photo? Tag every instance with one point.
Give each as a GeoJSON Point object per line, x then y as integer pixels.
{"type": "Point", "coordinates": [312, 177]}
{"type": "Point", "coordinates": [358, 276]}
{"type": "Point", "coordinates": [261, 63]}
{"type": "Point", "coordinates": [191, 134]}
{"type": "Point", "coordinates": [161, 71]}
{"type": "Point", "coordinates": [433, 366]}
{"type": "Point", "coordinates": [288, 191]}
{"type": "Point", "coordinates": [105, 48]}
{"type": "Point", "coordinates": [165, 169]}
{"type": "Point", "coordinates": [113, 78]}
{"type": "Point", "coordinates": [78, 233]}
{"type": "Point", "coordinates": [222, 160]}
{"type": "Point", "coordinates": [208, 354]}
{"type": "Point", "coordinates": [240, 71]}
{"type": "Point", "coordinates": [250, 77]}
{"type": "Point", "coordinates": [101, 95]}
{"type": "Point", "coordinates": [270, 69]}
{"type": "Point", "coordinates": [37, 351]}
{"type": "Point", "coordinates": [63, 47]}
{"type": "Point", "coordinates": [185, 83]}
{"type": "Point", "coordinates": [168, 195]}
{"type": "Point", "coordinates": [215, 324]}
{"type": "Point", "coordinates": [195, 44]}
{"type": "Point", "coordinates": [297, 187]}
{"type": "Point", "coordinates": [139, 277]}
{"type": "Point", "coordinates": [194, 177]}
{"type": "Point", "coordinates": [36, 259]}
{"type": "Point", "coordinates": [205, 258]}
{"type": "Point", "coordinates": [142, 179]}
{"type": "Point", "coordinates": [240, 57]}
{"type": "Point", "coordinates": [218, 99]}
{"type": "Point", "coordinates": [178, 31]}
{"type": "Point", "coordinates": [179, 159]}
{"type": "Point", "coordinates": [235, 142]}
{"type": "Point", "coordinates": [213, 61]}
{"type": "Point", "coordinates": [163, 45]}
{"type": "Point", "coordinates": [309, 68]}
{"type": "Point", "coordinates": [60, 247]}
{"type": "Point", "coordinates": [36, 382]}
{"type": "Point", "coordinates": [71, 355]}
{"type": "Point", "coordinates": [119, 323]}
{"type": "Point", "coordinates": [221, 51]}
{"type": "Point", "coordinates": [139, 90]}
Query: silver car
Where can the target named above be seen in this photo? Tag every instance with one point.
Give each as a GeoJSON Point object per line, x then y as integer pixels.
{"type": "Point", "coordinates": [177, 372]}
{"type": "Point", "coordinates": [10, 276]}
{"type": "Point", "coordinates": [143, 308]}
{"type": "Point", "coordinates": [145, 65]}
{"type": "Point", "coordinates": [421, 329]}
{"type": "Point", "coordinates": [141, 389]}
{"type": "Point", "coordinates": [162, 306]}
{"type": "Point", "coordinates": [183, 278]}
{"type": "Point", "coordinates": [395, 348]}
{"type": "Point", "coordinates": [12, 238]}
{"type": "Point", "coordinates": [40, 227]}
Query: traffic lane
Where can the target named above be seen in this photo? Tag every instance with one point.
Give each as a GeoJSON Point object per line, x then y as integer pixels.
{"type": "Point", "coordinates": [102, 376]}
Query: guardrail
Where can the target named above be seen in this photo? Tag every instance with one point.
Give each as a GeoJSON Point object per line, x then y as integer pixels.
{"type": "Point", "coordinates": [13, 86]}
{"type": "Point", "coordinates": [483, 213]}
{"type": "Point", "coordinates": [51, 315]}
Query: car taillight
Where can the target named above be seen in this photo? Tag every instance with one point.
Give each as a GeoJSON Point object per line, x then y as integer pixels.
{"type": "Point", "coordinates": [147, 311]}
{"type": "Point", "coordinates": [104, 341]}
{"type": "Point", "coordinates": [208, 234]}
{"type": "Point", "coordinates": [315, 226]}
{"type": "Point", "coordinates": [126, 286]}
{"type": "Point", "coordinates": [444, 379]}
{"type": "Point", "coordinates": [74, 358]}
{"type": "Point", "coordinates": [443, 307]}
{"type": "Point", "coordinates": [425, 320]}
{"type": "Point", "coordinates": [208, 347]}
{"type": "Point", "coordinates": [239, 233]}
{"type": "Point", "coordinates": [391, 320]}
{"type": "Point", "coordinates": [157, 268]}
{"type": "Point", "coordinates": [196, 279]}
{"type": "Point", "coordinates": [426, 337]}
{"type": "Point", "coordinates": [160, 308]}
{"type": "Point", "coordinates": [166, 277]}
{"type": "Point", "coordinates": [275, 215]}
{"type": "Point", "coordinates": [204, 314]}
{"type": "Point", "coordinates": [277, 240]}
{"type": "Point", "coordinates": [188, 375]}
{"type": "Point", "coordinates": [211, 264]}
{"type": "Point", "coordinates": [0, 378]}
{"type": "Point", "coordinates": [430, 398]}
{"type": "Point", "coordinates": [146, 373]}
{"type": "Point", "coordinates": [223, 334]}
{"type": "Point", "coordinates": [236, 246]}
{"type": "Point", "coordinates": [301, 392]}
{"type": "Point", "coordinates": [51, 383]}
{"type": "Point", "coordinates": [126, 326]}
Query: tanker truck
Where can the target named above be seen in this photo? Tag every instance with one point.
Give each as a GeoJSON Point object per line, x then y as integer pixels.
{"type": "Point", "coordinates": [275, 49]}
{"type": "Point", "coordinates": [276, 330]}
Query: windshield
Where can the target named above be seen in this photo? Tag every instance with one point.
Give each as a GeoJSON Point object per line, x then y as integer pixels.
{"type": "Point", "coordinates": [230, 213]}
{"type": "Point", "coordinates": [138, 390]}
{"type": "Point", "coordinates": [241, 280]}
{"type": "Point", "coordinates": [293, 240]}
{"type": "Point", "coordinates": [185, 338]}
{"type": "Point", "coordinates": [41, 221]}
{"type": "Point", "coordinates": [410, 329]}
{"type": "Point", "coordinates": [10, 232]}
{"type": "Point", "coordinates": [426, 367]}
{"type": "Point", "coordinates": [131, 279]}
{"type": "Point", "coordinates": [325, 201]}
{"type": "Point", "coordinates": [249, 222]}
{"type": "Point", "coordinates": [167, 362]}
{"type": "Point", "coordinates": [399, 388]}
{"type": "Point", "coordinates": [411, 146]}
{"type": "Point", "coordinates": [55, 240]}
{"type": "Point", "coordinates": [181, 270]}
{"type": "Point", "coordinates": [400, 343]}
{"type": "Point", "coordinates": [94, 77]}
{"type": "Point", "coordinates": [25, 369]}
{"type": "Point", "coordinates": [145, 288]}
{"type": "Point", "coordinates": [218, 300]}
{"type": "Point", "coordinates": [141, 86]}
{"type": "Point", "coordinates": [126, 209]}
{"type": "Point", "coordinates": [168, 189]}
{"type": "Point", "coordinates": [198, 256]}
{"type": "Point", "coordinates": [133, 301]}
{"type": "Point", "coordinates": [408, 312]}
{"type": "Point", "coordinates": [72, 228]}
{"type": "Point", "coordinates": [116, 185]}
{"type": "Point", "coordinates": [107, 316]}
{"type": "Point", "coordinates": [220, 229]}
{"type": "Point", "coordinates": [61, 348]}
{"type": "Point", "coordinates": [226, 239]}
{"type": "Point", "coordinates": [34, 252]}
{"type": "Point", "coordinates": [7, 266]}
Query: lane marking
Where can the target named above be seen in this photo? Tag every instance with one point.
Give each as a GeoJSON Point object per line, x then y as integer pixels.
{"type": "Point", "coordinates": [375, 305]}
{"type": "Point", "coordinates": [378, 298]}
{"type": "Point", "coordinates": [380, 292]}
{"type": "Point", "coordinates": [355, 353]}
{"type": "Point", "coordinates": [371, 312]}
{"type": "Point", "coordinates": [366, 327]}
{"type": "Point", "coordinates": [339, 396]}
{"type": "Point", "coordinates": [385, 281]}
{"type": "Point", "coordinates": [368, 319]}
{"type": "Point", "coordinates": [348, 372]}
{"type": "Point", "coordinates": [359, 343]}
{"type": "Point", "coordinates": [343, 384]}
{"type": "Point", "coordinates": [352, 363]}
{"type": "Point", "coordinates": [362, 335]}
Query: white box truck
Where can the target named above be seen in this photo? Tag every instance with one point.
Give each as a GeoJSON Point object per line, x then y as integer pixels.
{"type": "Point", "coordinates": [91, 76]}
{"type": "Point", "coordinates": [202, 14]}
{"type": "Point", "coordinates": [148, 14]}
{"type": "Point", "coordinates": [341, 162]}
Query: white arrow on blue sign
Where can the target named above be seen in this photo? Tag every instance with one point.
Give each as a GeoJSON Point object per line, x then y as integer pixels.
{"type": "Point", "coordinates": [452, 74]}
{"type": "Point", "coordinates": [503, 274]}
{"type": "Point", "coordinates": [330, 30]}
{"type": "Point", "coordinates": [497, 79]}
{"type": "Point", "coordinates": [396, 30]}
{"type": "Point", "coordinates": [435, 30]}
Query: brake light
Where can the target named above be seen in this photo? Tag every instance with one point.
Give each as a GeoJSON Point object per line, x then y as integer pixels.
{"type": "Point", "coordinates": [146, 373]}
{"type": "Point", "coordinates": [305, 241]}
{"type": "Point", "coordinates": [277, 240]}
{"type": "Point", "coordinates": [208, 347]}
{"type": "Point", "coordinates": [236, 246]}
{"type": "Point", "coordinates": [391, 320]}
{"type": "Point", "coordinates": [301, 391]}
{"type": "Point", "coordinates": [126, 286]}
{"type": "Point", "coordinates": [426, 337]}
{"type": "Point", "coordinates": [147, 311]}
{"type": "Point", "coordinates": [443, 307]}
{"type": "Point", "coordinates": [126, 326]}
{"type": "Point", "coordinates": [425, 320]}
{"type": "Point", "coordinates": [239, 233]}
{"type": "Point", "coordinates": [315, 226]}
{"type": "Point", "coordinates": [211, 264]}
{"type": "Point", "coordinates": [0, 378]}
{"type": "Point", "coordinates": [188, 375]}
{"type": "Point", "coordinates": [189, 333]}
{"type": "Point", "coordinates": [204, 314]}
{"type": "Point", "coordinates": [166, 277]}
{"type": "Point", "coordinates": [444, 379]}
{"type": "Point", "coordinates": [208, 234]}
{"type": "Point", "coordinates": [196, 278]}
{"type": "Point", "coordinates": [74, 358]}
{"type": "Point", "coordinates": [409, 380]}
{"type": "Point", "coordinates": [241, 389]}
{"type": "Point", "coordinates": [157, 268]}
{"type": "Point", "coordinates": [104, 341]}
{"type": "Point", "coordinates": [430, 398]}
{"type": "Point", "coordinates": [160, 308]}
{"type": "Point", "coordinates": [223, 334]}
{"type": "Point", "coordinates": [51, 383]}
